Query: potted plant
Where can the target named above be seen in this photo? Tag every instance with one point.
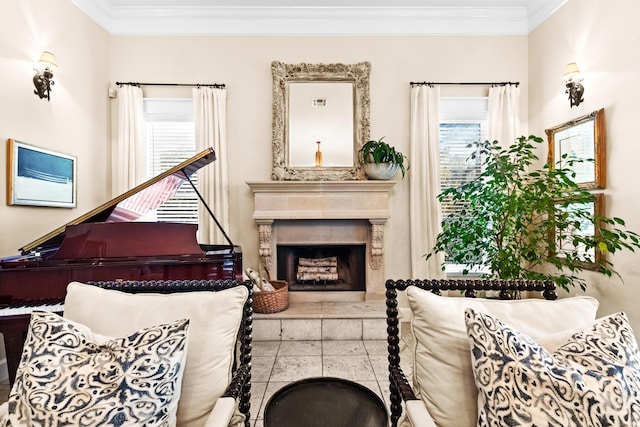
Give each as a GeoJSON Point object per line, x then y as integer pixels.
{"type": "Point", "coordinates": [512, 220]}
{"type": "Point", "coordinates": [382, 161]}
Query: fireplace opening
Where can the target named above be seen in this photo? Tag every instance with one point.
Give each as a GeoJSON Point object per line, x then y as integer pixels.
{"type": "Point", "coordinates": [322, 267]}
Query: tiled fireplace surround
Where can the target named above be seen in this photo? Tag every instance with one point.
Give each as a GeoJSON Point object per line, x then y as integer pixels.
{"type": "Point", "coordinates": [322, 213]}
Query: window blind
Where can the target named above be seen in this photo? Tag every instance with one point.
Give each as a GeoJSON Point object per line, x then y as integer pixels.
{"type": "Point", "coordinates": [170, 140]}
{"type": "Point", "coordinates": [456, 165]}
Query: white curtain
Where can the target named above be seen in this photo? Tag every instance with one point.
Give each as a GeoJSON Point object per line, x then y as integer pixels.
{"type": "Point", "coordinates": [210, 117]}
{"type": "Point", "coordinates": [504, 114]}
{"type": "Point", "coordinates": [128, 153]}
{"type": "Point", "coordinates": [424, 174]}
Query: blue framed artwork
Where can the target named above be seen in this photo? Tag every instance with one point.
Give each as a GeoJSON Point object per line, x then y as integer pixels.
{"type": "Point", "coordinates": [40, 177]}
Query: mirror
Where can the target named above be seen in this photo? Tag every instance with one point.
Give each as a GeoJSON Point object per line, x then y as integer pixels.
{"type": "Point", "coordinates": [320, 120]}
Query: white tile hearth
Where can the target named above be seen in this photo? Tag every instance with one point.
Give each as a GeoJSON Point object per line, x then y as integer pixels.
{"type": "Point", "coordinates": [342, 329]}
{"type": "Point", "coordinates": [324, 320]}
{"type": "Point", "coordinates": [301, 329]}
{"type": "Point", "coordinates": [268, 329]}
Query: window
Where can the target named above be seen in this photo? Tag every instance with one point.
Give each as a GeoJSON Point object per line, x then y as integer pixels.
{"type": "Point", "coordinates": [170, 140]}
{"type": "Point", "coordinates": [463, 121]}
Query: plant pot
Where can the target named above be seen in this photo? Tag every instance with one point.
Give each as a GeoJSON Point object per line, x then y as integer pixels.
{"type": "Point", "coordinates": [381, 171]}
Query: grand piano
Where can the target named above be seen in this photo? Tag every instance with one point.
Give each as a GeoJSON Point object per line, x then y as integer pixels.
{"type": "Point", "coordinates": [110, 243]}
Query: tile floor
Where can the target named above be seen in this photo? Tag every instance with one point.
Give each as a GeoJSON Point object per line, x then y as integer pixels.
{"type": "Point", "coordinates": [323, 320]}
{"type": "Point", "coordinates": [278, 363]}
{"type": "Point", "coordinates": [4, 391]}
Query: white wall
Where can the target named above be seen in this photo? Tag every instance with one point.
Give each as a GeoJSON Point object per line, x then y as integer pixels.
{"type": "Point", "coordinates": [603, 38]}
{"type": "Point", "coordinates": [74, 122]}
{"type": "Point", "coordinates": [244, 65]}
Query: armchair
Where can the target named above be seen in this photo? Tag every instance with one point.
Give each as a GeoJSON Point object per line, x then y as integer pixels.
{"type": "Point", "coordinates": [441, 390]}
{"type": "Point", "coordinates": [213, 389]}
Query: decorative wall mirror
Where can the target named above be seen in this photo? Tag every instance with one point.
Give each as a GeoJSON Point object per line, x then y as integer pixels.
{"type": "Point", "coordinates": [581, 139]}
{"type": "Point", "coordinates": [566, 246]}
{"type": "Point", "coordinates": [320, 120]}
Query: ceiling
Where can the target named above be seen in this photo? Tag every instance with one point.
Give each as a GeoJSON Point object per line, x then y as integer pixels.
{"type": "Point", "coordinates": [321, 17]}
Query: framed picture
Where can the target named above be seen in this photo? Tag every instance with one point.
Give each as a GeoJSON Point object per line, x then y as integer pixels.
{"type": "Point", "coordinates": [39, 177]}
{"type": "Point", "coordinates": [580, 145]}
{"type": "Point", "coordinates": [580, 225]}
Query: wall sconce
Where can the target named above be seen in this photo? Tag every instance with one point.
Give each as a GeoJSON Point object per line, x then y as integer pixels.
{"type": "Point", "coordinates": [574, 87]}
{"type": "Point", "coordinates": [44, 74]}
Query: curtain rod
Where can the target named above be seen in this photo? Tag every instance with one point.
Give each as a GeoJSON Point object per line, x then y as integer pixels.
{"type": "Point", "coordinates": [465, 84]}
{"type": "Point", "coordinates": [218, 85]}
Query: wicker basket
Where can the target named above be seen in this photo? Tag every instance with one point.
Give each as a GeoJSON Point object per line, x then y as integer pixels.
{"type": "Point", "coordinates": [274, 301]}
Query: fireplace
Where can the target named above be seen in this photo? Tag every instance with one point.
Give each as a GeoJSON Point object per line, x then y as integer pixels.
{"type": "Point", "coordinates": [314, 219]}
{"type": "Point", "coordinates": [349, 267]}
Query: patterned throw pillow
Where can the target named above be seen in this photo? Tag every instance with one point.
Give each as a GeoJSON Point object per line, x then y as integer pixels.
{"type": "Point", "coordinates": [592, 380]}
{"type": "Point", "coordinates": [66, 378]}
{"type": "Point", "coordinates": [442, 371]}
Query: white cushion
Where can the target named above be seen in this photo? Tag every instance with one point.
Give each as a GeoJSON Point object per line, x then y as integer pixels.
{"type": "Point", "coordinates": [442, 373]}
{"type": "Point", "coordinates": [66, 378]}
{"type": "Point", "coordinates": [215, 319]}
{"type": "Point", "coordinates": [417, 415]}
{"type": "Point", "coordinates": [592, 380]}
{"type": "Point", "coordinates": [222, 412]}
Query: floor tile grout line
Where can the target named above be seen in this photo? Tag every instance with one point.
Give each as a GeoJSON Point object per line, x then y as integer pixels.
{"type": "Point", "coordinates": [271, 371]}
{"type": "Point", "coordinates": [321, 349]}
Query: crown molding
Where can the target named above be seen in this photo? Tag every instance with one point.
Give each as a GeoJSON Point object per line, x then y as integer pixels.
{"type": "Point", "coordinates": [119, 18]}
{"type": "Point", "coordinates": [540, 11]}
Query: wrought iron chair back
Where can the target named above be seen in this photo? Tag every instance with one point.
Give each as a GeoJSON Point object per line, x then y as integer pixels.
{"type": "Point", "coordinates": [400, 389]}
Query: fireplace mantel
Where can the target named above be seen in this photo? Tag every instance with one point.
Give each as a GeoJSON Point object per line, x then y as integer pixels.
{"type": "Point", "coordinates": [351, 202]}
{"type": "Point", "coordinates": [321, 199]}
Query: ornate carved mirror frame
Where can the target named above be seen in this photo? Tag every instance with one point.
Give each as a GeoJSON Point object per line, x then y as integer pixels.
{"type": "Point", "coordinates": [283, 75]}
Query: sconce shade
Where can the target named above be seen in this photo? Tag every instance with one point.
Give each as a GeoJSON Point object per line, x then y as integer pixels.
{"type": "Point", "coordinates": [48, 60]}
{"type": "Point", "coordinates": [575, 90]}
{"type": "Point", "coordinates": [43, 80]}
{"type": "Point", "coordinates": [571, 70]}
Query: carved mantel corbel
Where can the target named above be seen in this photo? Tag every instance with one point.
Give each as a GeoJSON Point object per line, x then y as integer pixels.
{"type": "Point", "coordinates": [264, 243]}
{"type": "Point", "coordinates": [377, 243]}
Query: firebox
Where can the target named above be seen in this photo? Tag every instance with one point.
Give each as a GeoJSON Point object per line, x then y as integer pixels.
{"type": "Point", "coordinates": [322, 267]}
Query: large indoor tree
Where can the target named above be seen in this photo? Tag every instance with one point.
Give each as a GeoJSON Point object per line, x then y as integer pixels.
{"type": "Point", "coordinates": [517, 222]}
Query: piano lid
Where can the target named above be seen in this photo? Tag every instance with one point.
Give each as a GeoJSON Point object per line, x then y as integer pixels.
{"type": "Point", "coordinates": [134, 203]}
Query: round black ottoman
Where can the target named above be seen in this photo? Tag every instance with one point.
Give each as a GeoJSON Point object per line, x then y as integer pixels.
{"type": "Point", "coordinates": [325, 402]}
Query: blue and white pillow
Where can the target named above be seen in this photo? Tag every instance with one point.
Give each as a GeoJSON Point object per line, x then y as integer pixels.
{"type": "Point", "coordinates": [592, 380]}
{"type": "Point", "coordinates": [67, 376]}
